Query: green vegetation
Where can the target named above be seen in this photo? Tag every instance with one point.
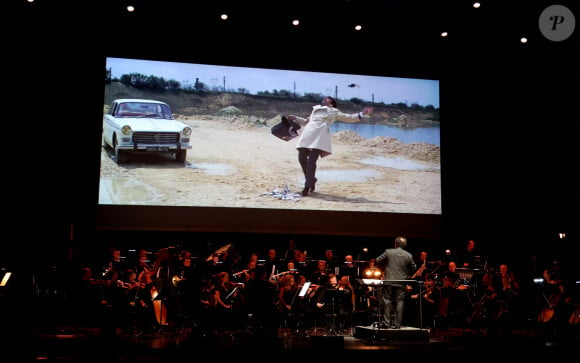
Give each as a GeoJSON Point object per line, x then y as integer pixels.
{"type": "Point", "coordinates": [154, 83]}
{"type": "Point", "coordinates": [399, 113]}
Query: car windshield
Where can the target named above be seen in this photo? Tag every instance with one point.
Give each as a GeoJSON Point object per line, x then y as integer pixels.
{"type": "Point", "coordinates": [142, 109]}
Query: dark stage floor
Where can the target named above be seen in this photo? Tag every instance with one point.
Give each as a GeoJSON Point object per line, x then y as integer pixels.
{"type": "Point", "coordinates": [360, 342]}
{"type": "Point", "coordinates": [43, 330]}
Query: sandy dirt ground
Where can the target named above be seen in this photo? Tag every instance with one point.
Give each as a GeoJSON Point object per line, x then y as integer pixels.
{"type": "Point", "coordinates": [236, 163]}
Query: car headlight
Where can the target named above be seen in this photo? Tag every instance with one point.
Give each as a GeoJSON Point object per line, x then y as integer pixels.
{"type": "Point", "coordinates": [187, 131]}
{"type": "Point", "coordinates": [126, 130]}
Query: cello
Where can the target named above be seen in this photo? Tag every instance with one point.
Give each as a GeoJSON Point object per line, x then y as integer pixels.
{"type": "Point", "coordinates": [548, 312]}
{"type": "Point", "coordinates": [575, 316]}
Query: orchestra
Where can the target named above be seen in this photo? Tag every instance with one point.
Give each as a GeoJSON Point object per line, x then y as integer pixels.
{"type": "Point", "coordinates": [160, 288]}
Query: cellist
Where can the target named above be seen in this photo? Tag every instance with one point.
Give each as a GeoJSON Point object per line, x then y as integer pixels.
{"type": "Point", "coordinates": [552, 294]}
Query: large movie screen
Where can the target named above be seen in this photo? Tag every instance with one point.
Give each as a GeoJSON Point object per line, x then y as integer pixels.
{"type": "Point", "coordinates": [218, 148]}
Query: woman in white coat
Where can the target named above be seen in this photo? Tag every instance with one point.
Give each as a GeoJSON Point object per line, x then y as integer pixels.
{"type": "Point", "coordinates": [315, 139]}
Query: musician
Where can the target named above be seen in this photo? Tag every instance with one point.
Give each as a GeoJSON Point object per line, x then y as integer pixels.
{"type": "Point", "coordinates": [320, 275]}
{"type": "Point", "coordinates": [553, 294]}
{"type": "Point", "coordinates": [286, 296]}
{"type": "Point", "coordinates": [328, 302]}
{"type": "Point", "coordinates": [286, 293]}
{"type": "Point", "coordinates": [142, 261]}
{"type": "Point", "coordinates": [485, 312]}
{"type": "Point", "coordinates": [291, 269]}
{"type": "Point", "coordinates": [422, 269]}
{"type": "Point", "coordinates": [348, 268]}
{"type": "Point", "coordinates": [332, 261]}
{"type": "Point", "coordinates": [424, 299]}
{"type": "Point", "coordinates": [398, 265]}
{"type": "Point", "coordinates": [141, 300]}
{"type": "Point", "coordinates": [260, 295]}
{"type": "Point", "coordinates": [228, 289]}
{"type": "Point", "coordinates": [451, 273]}
{"type": "Point", "coordinates": [272, 262]}
{"type": "Point", "coordinates": [415, 297]}
{"type": "Point", "coordinates": [453, 301]}
{"type": "Point", "coordinates": [114, 262]}
{"type": "Point", "coordinates": [300, 262]}
{"type": "Point", "coordinates": [510, 295]}
{"type": "Point", "coordinates": [305, 304]}
{"type": "Point", "coordinates": [244, 275]}
{"type": "Point", "coordinates": [231, 298]}
{"type": "Point", "coordinates": [213, 267]}
{"type": "Point", "coordinates": [468, 257]}
{"type": "Point", "coordinates": [347, 302]}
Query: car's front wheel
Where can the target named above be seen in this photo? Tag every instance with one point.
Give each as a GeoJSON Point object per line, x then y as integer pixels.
{"type": "Point", "coordinates": [180, 156]}
{"type": "Point", "coordinates": [120, 155]}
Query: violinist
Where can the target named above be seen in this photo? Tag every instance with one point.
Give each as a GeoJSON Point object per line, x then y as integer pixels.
{"type": "Point", "coordinates": [417, 292]}
{"type": "Point", "coordinates": [220, 303]}
{"type": "Point", "coordinates": [142, 261]}
{"type": "Point", "coordinates": [287, 293]}
{"type": "Point", "coordinates": [129, 280]}
{"type": "Point", "coordinates": [141, 301]}
{"type": "Point", "coordinates": [231, 298]}
{"type": "Point", "coordinates": [346, 303]}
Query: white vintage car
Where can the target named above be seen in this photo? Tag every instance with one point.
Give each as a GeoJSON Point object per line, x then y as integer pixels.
{"type": "Point", "coordinates": [138, 125]}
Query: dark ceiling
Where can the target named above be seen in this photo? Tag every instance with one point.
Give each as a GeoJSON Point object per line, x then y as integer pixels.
{"type": "Point", "coordinates": [508, 109]}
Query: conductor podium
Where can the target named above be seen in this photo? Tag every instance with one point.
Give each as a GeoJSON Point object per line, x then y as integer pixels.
{"type": "Point", "coordinates": [374, 331]}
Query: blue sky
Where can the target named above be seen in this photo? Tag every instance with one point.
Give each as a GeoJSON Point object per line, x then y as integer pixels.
{"type": "Point", "coordinates": [369, 88]}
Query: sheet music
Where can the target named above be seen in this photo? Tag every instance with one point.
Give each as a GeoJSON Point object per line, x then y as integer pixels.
{"type": "Point", "coordinates": [304, 289]}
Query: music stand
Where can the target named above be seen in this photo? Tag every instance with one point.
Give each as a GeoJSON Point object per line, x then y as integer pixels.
{"type": "Point", "coordinates": [300, 326]}
{"type": "Point", "coordinates": [333, 294]}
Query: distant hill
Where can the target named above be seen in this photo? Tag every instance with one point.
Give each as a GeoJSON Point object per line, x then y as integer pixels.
{"type": "Point", "coordinates": [194, 103]}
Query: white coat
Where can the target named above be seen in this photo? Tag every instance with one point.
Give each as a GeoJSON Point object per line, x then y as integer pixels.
{"type": "Point", "coordinates": [316, 128]}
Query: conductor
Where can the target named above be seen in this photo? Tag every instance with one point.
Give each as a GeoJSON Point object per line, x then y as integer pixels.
{"type": "Point", "coordinates": [397, 264]}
